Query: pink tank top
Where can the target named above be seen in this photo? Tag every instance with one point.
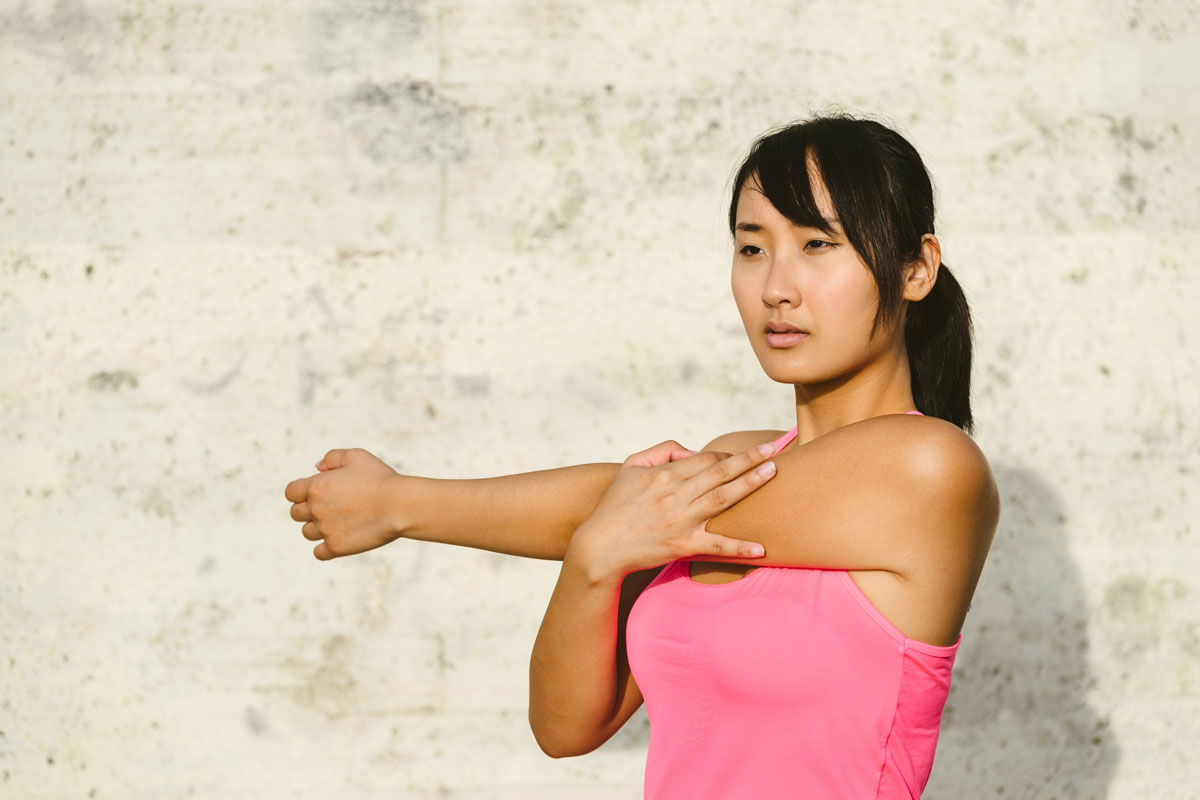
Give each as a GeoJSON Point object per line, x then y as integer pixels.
{"type": "Point", "coordinates": [785, 683]}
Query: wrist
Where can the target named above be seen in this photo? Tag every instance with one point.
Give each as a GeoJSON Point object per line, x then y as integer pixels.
{"type": "Point", "coordinates": [399, 503]}
{"type": "Point", "coordinates": [590, 563]}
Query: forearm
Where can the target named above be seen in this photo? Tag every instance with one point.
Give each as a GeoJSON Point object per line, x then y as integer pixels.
{"type": "Point", "coordinates": [531, 514]}
{"type": "Point", "coordinates": [572, 670]}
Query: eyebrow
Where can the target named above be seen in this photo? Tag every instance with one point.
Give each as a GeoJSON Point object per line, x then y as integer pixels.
{"type": "Point", "coordinates": [753, 227]}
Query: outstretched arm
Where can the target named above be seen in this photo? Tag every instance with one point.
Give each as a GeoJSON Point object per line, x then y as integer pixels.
{"type": "Point", "coordinates": [357, 503]}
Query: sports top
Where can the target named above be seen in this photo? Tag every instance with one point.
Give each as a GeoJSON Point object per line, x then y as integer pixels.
{"type": "Point", "coordinates": [785, 683]}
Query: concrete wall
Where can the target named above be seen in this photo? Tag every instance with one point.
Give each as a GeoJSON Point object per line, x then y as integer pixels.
{"type": "Point", "coordinates": [486, 237]}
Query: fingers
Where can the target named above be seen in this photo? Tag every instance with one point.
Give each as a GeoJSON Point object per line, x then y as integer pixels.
{"type": "Point", "coordinates": [661, 453]}
{"type": "Point", "coordinates": [334, 459]}
{"type": "Point", "coordinates": [728, 481]}
{"type": "Point", "coordinates": [321, 552]}
{"type": "Point", "coordinates": [309, 529]}
{"type": "Point", "coordinates": [685, 453]}
{"type": "Point", "coordinates": [301, 512]}
{"type": "Point", "coordinates": [713, 544]}
{"type": "Point", "coordinates": [297, 490]}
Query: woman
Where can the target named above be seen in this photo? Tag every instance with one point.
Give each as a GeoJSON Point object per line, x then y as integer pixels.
{"type": "Point", "coordinates": [824, 680]}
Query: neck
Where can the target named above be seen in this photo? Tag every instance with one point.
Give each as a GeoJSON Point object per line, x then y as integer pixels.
{"type": "Point", "coordinates": [882, 387]}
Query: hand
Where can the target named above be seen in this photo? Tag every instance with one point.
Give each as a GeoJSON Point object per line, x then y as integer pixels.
{"type": "Point", "coordinates": [345, 507]}
{"type": "Point", "coordinates": [656, 507]}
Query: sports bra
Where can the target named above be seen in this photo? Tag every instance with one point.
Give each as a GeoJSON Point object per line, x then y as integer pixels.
{"type": "Point", "coordinates": [785, 683]}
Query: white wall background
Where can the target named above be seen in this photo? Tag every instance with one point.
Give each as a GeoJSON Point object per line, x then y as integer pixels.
{"type": "Point", "coordinates": [486, 237]}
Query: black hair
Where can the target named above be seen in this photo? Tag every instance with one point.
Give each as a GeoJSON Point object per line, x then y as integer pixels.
{"type": "Point", "coordinates": [883, 197]}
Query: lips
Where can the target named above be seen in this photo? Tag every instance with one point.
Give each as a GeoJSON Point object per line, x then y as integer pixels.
{"type": "Point", "coordinates": [782, 327]}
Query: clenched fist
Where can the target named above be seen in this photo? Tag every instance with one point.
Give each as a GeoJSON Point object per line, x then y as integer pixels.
{"type": "Point", "coordinates": [348, 506]}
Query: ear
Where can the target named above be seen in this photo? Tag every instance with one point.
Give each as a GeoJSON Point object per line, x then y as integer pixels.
{"type": "Point", "coordinates": [921, 274]}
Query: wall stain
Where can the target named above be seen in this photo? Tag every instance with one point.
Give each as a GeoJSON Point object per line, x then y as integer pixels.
{"type": "Point", "coordinates": [568, 208]}
{"type": "Point", "coordinates": [255, 721]}
{"type": "Point", "coordinates": [472, 385]}
{"type": "Point", "coordinates": [309, 380]}
{"type": "Point", "coordinates": [112, 381]}
{"type": "Point", "coordinates": [401, 121]}
{"type": "Point", "coordinates": [156, 503]}
{"type": "Point", "coordinates": [69, 33]}
{"type": "Point", "coordinates": [1139, 615]}
{"type": "Point", "coordinates": [344, 34]}
{"type": "Point", "coordinates": [327, 686]}
{"type": "Point", "coordinates": [1121, 130]}
{"type": "Point", "coordinates": [215, 387]}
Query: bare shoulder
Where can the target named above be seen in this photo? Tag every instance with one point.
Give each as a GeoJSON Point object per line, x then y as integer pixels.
{"type": "Point", "coordinates": [737, 441]}
{"type": "Point", "coordinates": [934, 462]}
{"type": "Point", "coordinates": [924, 447]}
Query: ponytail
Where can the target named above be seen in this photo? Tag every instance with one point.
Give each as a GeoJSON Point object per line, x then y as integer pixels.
{"type": "Point", "coordinates": [937, 334]}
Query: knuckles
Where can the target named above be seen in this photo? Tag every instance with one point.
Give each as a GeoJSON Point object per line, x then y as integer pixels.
{"type": "Point", "coordinates": [661, 477]}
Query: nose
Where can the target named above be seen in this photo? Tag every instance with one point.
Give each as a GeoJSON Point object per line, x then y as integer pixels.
{"type": "Point", "coordinates": [782, 284]}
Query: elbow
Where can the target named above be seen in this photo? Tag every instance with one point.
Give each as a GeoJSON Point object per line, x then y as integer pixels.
{"type": "Point", "coordinates": [554, 749]}
{"type": "Point", "coordinates": [558, 743]}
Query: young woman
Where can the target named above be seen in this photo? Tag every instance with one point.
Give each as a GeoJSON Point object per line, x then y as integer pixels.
{"type": "Point", "coordinates": [822, 673]}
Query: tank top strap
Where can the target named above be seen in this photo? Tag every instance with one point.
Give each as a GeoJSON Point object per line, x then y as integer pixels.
{"type": "Point", "coordinates": [782, 441]}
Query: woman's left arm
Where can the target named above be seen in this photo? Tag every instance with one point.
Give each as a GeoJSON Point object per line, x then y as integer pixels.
{"type": "Point", "coordinates": [895, 493]}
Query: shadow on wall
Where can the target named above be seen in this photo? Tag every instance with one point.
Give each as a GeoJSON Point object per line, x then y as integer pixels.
{"type": "Point", "coordinates": [1017, 723]}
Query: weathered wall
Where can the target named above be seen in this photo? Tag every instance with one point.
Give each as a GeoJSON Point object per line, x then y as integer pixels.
{"type": "Point", "coordinates": [485, 237]}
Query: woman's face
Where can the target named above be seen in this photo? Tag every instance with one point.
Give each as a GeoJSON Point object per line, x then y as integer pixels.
{"type": "Point", "coordinates": [813, 281]}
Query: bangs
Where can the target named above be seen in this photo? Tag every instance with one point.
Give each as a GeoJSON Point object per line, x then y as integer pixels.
{"type": "Point", "coordinates": [852, 168]}
{"type": "Point", "coordinates": [779, 170]}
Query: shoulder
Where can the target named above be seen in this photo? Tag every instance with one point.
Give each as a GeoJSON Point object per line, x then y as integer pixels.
{"type": "Point", "coordinates": [923, 463]}
{"type": "Point", "coordinates": [935, 464]}
{"type": "Point", "coordinates": [737, 441]}
{"type": "Point", "coordinates": [921, 446]}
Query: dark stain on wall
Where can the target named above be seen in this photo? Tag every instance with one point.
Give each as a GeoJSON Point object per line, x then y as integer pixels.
{"type": "Point", "coordinates": [255, 721]}
{"type": "Point", "coordinates": [343, 33]}
{"type": "Point", "coordinates": [218, 385]}
{"type": "Point", "coordinates": [112, 381]}
{"type": "Point", "coordinates": [472, 385]}
{"type": "Point", "coordinates": [401, 121]}
{"type": "Point", "coordinates": [69, 33]}
{"type": "Point", "coordinates": [570, 198]}
{"type": "Point", "coordinates": [327, 685]}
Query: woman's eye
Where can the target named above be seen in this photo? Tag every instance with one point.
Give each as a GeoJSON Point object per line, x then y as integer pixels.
{"type": "Point", "coordinates": [750, 250]}
{"type": "Point", "coordinates": [823, 245]}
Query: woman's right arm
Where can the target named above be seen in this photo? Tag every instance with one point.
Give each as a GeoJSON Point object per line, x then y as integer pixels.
{"type": "Point", "coordinates": [581, 689]}
{"type": "Point", "coordinates": [357, 503]}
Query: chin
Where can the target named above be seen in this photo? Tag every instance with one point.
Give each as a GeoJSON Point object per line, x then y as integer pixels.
{"type": "Point", "coordinates": [777, 368]}
{"type": "Point", "coordinates": [793, 375]}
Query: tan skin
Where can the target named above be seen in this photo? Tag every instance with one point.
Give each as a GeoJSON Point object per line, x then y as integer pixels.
{"type": "Point", "coordinates": [906, 503]}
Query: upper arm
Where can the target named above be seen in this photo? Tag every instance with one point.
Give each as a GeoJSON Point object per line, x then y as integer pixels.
{"type": "Point", "coordinates": [896, 493]}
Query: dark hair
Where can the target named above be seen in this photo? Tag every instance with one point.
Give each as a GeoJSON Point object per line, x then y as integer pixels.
{"type": "Point", "coordinates": [883, 198]}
